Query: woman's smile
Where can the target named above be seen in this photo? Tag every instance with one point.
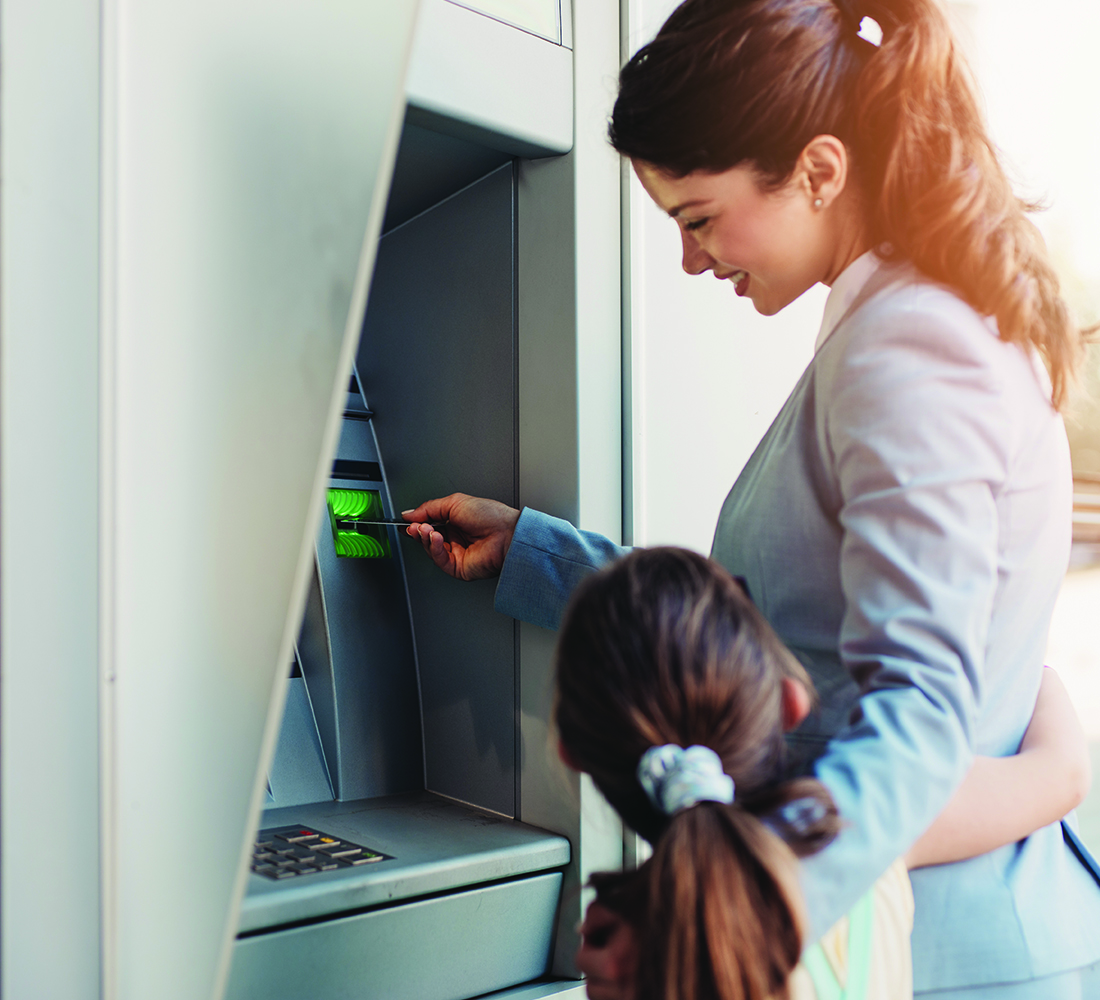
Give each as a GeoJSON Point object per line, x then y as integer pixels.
{"type": "Point", "coordinates": [771, 243]}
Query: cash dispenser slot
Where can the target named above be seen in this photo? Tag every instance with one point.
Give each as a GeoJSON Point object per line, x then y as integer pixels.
{"type": "Point", "coordinates": [399, 737]}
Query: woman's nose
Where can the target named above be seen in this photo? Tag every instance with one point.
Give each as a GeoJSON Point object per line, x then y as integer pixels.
{"type": "Point", "coordinates": [696, 259]}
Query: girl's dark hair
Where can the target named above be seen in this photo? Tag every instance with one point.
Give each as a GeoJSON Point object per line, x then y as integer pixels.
{"type": "Point", "coordinates": [729, 82]}
{"type": "Point", "coordinates": [664, 647]}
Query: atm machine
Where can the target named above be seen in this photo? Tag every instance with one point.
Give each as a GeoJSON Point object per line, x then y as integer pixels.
{"type": "Point", "coordinates": [270, 272]}
{"type": "Point", "coordinates": [389, 861]}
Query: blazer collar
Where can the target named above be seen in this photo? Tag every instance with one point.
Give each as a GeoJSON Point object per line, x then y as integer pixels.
{"type": "Point", "coordinates": [849, 283]}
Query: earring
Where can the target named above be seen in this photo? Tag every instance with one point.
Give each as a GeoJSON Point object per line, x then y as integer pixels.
{"type": "Point", "coordinates": [818, 203]}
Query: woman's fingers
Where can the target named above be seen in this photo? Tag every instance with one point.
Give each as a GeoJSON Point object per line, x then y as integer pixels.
{"type": "Point", "coordinates": [475, 538]}
{"type": "Point", "coordinates": [434, 510]}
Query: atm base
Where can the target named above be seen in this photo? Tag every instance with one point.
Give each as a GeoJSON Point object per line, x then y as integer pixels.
{"type": "Point", "coordinates": [464, 904]}
{"type": "Point", "coordinates": [449, 947]}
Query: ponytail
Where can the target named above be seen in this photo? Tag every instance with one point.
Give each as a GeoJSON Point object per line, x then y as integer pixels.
{"type": "Point", "coordinates": [727, 82]}
{"type": "Point", "coordinates": [716, 909]}
{"type": "Point", "coordinates": [938, 195]}
{"type": "Point", "coordinates": [724, 920]}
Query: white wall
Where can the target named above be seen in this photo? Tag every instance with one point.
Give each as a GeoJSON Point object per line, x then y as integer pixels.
{"type": "Point", "coordinates": [707, 372]}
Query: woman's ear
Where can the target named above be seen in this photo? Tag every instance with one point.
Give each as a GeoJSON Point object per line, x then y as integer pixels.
{"type": "Point", "coordinates": [794, 703]}
{"type": "Point", "coordinates": [822, 169]}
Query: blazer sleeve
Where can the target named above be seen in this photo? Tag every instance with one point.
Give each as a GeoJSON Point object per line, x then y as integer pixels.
{"type": "Point", "coordinates": [915, 430]}
{"type": "Point", "coordinates": [548, 557]}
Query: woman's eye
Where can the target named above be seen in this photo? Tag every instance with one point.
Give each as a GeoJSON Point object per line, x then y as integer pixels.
{"type": "Point", "coordinates": [695, 224]}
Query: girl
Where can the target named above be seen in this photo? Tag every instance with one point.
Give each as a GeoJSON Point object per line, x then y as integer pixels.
{"type": "Point", "coordinates": [663, 651]}
{"type": "Point", "coordinates": [904, 525]}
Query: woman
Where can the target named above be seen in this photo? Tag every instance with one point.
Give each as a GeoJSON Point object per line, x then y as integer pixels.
{"type": "Point", "coordinates": [904, 524]}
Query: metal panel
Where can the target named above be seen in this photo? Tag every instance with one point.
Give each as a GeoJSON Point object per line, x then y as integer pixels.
{"type": "Point", "coordinates": [250, 146]}
{"type": "Point", "coordinates": [560, 989]}
{"type": "Point", "coordinates": [541, 17]}
{"type": "Point", "coordinates": [445, 948]}
{"type": "Point", "coordinates": [436, 362]}
{"type": "Point", "coordinates": [570, 428]}
{"type": "Point", "coordinates": [298, 772]}
{"type": "Point", "coordinates": [49, 505]}
{"type": "Point", "coordinates": [481, 80]}
{"type": "Point", "coordinates": [432, 166]}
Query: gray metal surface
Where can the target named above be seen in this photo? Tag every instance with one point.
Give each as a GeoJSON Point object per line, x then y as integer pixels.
{"type": "Point", "coordinates": [540, 17]}
{"type": "Point", "coordinates": [437, 846]}
{"type": "Point", "coordinates": [298, 773]}
{"type": "Point", "coordinates": [560, 989]}
{"type": "Point", "coordinates": [444, 948]}
{"type": "Point", "coordinates": [49, 504]}
{"type": "Point", "coordinates": [432, 166]}
{"type": "Point", "coordinates": [490, 83]}
{"type": "Point", "coordinates": [436, 360]}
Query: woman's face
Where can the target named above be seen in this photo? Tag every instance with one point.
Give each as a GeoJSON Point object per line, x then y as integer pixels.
{"type": "Point", "coordinates": [773, 245]}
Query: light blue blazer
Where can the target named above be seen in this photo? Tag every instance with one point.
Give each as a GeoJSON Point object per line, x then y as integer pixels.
{"type": "Point", "coordinates": [904, 526]}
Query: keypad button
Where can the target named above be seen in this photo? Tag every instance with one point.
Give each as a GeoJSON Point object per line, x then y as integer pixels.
{"type": "Point", "coordinates": [284, 873]}
{"type": "Point", "coordinates": [297, 836]}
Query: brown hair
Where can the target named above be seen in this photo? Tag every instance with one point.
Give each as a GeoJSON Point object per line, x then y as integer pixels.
{"type": "Point", "coordinates": [664, 647]}
{"type": "Point", "coordinates": [727, 82]}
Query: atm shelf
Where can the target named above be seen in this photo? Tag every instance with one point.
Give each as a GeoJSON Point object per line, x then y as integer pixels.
{"type": "Point", "coordinates": [433, 845]}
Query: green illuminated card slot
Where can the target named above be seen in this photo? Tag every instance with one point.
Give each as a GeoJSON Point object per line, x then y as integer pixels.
{"type": "Point", "coordinates": [363, 541]}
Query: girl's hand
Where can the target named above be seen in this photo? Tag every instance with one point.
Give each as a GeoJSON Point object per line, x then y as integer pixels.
{"type": "Point", "coordinates": [608, 955]}
{"type": "Point", "coordinates": [478, 533]}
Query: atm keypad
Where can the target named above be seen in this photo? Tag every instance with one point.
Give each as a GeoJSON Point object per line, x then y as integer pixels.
{"type": "Point", "coordinates": [288, 851]}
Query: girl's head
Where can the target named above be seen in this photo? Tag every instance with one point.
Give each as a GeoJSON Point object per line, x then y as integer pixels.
{"type": "Point", "coordinates": [663, 647]}
{"type": "Point", "coordinates": [852, 146]}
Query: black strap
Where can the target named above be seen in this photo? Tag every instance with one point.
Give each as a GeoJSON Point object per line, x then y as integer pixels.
{"type": "Point", "coordinates": [1081, 851]}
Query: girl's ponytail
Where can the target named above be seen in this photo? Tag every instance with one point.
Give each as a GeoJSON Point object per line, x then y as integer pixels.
{"type": "Point", "coordinates": [724, 919]}
{"type": "Point", "coordinates": [716, 910]}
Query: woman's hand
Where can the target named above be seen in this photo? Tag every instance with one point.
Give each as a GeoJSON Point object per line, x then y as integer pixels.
{"type": "Point", "coordinates": [608, 955]}
{"type": "Point", "coordinates": [478, 533]}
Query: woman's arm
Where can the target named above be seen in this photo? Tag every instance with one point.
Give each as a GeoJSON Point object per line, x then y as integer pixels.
{"type": "Point", "coordinates": [1004, 799]}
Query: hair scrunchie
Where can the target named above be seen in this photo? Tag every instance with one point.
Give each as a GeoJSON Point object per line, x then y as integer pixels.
{"type": "Point", "coordinates": [854, 21]}
{"type": "Point", "coordinates": [676, 778]}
